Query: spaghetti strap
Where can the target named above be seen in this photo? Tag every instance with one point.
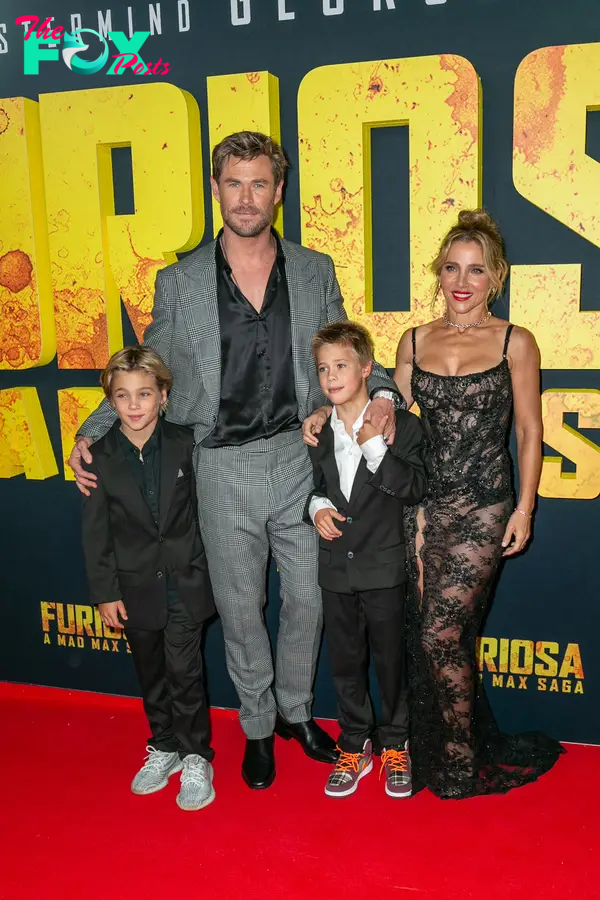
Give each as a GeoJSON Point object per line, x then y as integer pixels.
{"type": "Point", "coordinates": [506, 340]}
{"type": "Point", "coordinates": [414, 344]}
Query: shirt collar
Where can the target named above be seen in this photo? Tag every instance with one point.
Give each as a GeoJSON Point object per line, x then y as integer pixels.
{"type": "Point", "coordinates": [151, 445]}
{"type": "Point", "coordinates": [337, 424]}
{"type": "Point", "coordinates": [223, 265]}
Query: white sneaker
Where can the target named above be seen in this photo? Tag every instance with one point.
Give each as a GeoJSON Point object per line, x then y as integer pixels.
{"type": "Point", "coordinates": [154, 774]}
{"type": "Point", "coordinates": [196, 783]}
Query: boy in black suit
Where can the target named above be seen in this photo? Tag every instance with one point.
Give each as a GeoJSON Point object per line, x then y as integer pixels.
{"type": "Point", "coordinates": [361, 486]}
{"type": "Point", "coordinates": [147, 569]}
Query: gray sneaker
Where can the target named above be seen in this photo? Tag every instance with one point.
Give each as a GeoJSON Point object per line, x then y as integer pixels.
{"type": "Point", "coordinates": [348, 771]}
{"type": "Point", "coordinates": [398, 775]}
{"type": "Point", "coordinates": [197, 790]}
{"type": "Point", "coordinates": [154, 774]}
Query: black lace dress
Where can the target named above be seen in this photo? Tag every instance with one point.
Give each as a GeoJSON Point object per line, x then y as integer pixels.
{"type": "Point", "coordinates": [456, 748]}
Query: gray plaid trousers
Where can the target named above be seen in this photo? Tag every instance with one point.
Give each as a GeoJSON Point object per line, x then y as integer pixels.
{"type": "Point", "coordinates": [251, 498]}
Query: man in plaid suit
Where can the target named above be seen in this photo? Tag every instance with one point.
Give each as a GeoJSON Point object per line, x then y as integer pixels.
{"type": "Point", "coordinates": [234, 321]}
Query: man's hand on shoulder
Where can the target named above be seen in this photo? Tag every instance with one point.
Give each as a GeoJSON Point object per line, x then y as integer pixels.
{"type": "Point", "coordinates": [368, 431]}
{"type": "Point", "coordinates": [378, 409]}
{"type": "Point", "coordinates": [313, 424]}
{"type": "Point", "coordinates": [79, 453]}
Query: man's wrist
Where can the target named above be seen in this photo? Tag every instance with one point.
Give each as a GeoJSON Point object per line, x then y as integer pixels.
{"type": "Point", "coordinates": [384, 394]}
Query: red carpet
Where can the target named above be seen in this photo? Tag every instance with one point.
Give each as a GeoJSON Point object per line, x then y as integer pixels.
{"type": "Point", "coordinates": [72, 830]}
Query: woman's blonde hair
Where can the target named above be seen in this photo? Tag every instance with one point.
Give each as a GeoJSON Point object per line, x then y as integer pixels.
{"type": "Point", "coordinates": [476, 225]}
{"type": "Point", "coordinates": [137, 359]}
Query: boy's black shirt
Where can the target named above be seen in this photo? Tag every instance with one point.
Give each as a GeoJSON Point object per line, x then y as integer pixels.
{"type": "Point", "coordinates": [134, 551]}
{"type": "Point", "coordinates": [145, 465]}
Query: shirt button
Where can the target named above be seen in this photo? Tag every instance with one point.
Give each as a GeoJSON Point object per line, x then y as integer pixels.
{"type": "Point", "coordinates": [150, 492]}
{"type": "Point", "coordinates": [349, 520]}
{"type": "Point", "coordinates": [160, 540]}
{"type": "Point", "coordinates": [159, 574]}
{"type": "Point", "coordinates": [350, 554]}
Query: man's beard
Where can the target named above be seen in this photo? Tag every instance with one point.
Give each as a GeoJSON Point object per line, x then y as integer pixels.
{"type": "Point", "coordinates": [249, 228]}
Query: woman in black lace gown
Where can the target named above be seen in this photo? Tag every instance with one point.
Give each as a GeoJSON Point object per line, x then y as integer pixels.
{"type": "Point", "coordinates": [467, 371]}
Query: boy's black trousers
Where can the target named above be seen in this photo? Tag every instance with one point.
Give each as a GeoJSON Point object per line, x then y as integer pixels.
{"type": "Point", "coordinates": [169, 668]}
{"type": "Point", "coordinates": [355, 624]}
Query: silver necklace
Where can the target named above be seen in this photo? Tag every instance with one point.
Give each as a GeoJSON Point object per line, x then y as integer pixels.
{"type": "Point", "coordinates": [470, 325]}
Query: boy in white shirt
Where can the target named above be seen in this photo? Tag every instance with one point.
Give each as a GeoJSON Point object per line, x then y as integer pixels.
{"type": "Point", "coordinates": [361, 488]}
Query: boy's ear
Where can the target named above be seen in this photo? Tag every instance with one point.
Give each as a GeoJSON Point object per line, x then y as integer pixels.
{"type": "Point", "coordinates": [367, 369]}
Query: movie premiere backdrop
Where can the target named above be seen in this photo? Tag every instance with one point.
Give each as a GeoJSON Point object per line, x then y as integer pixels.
{"type": "Point", "coordinates": [395, 114]}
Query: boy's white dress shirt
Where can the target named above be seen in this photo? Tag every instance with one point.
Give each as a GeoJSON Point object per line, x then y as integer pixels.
{"type": "Point", "coordinates": [348, 454]}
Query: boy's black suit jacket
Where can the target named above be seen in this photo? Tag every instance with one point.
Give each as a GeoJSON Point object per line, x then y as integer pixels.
{"type": "Point", "coordinates": [370, 554]}
{"type": "Point", "coordinates": [128, 556]}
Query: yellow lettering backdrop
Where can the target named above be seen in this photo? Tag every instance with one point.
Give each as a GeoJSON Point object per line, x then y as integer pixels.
{"type": "Point", "coordinates": [438, 98]}
{"type": "Point", "coordinates": [74, 406]}
{"type": "Point", "coordinates": [25, 446]}
{"type": "Point", "coordinates": [98, 257]}
{"type": "Point", "coordinates": [584, 484]}
{"type": "Point", "coordinates": [26, 316]}
{"type": "Point", "coordinates": [554, 88]}
{"type": "Point", "coordinates": [66, 259]}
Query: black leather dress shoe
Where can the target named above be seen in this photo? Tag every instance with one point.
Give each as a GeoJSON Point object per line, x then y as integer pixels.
{"type": "Point", "coordinates": [258, 767]}
{"type": "Point", "coordinates": [315, 742]}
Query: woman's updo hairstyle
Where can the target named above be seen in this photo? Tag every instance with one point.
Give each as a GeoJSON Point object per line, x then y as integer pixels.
{"type": "Point", "coordinates": [476, 225]}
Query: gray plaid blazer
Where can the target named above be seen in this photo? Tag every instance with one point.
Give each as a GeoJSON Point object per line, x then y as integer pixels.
{"type": "Point", "coordinates": [185, 332]}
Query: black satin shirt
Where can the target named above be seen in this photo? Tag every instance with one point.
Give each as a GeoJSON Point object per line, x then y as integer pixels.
{"type": "Point", "coordinates": [258, 392]}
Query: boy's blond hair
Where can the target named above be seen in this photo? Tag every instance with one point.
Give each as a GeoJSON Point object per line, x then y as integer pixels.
{"type": "Point", "coordinates": [350, 334]}
{"type": "Point", "coordinates": [137, 359]}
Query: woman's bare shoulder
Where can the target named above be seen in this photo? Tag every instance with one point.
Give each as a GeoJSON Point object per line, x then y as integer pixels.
{"type": "Point", "coordinates": [405, 344]}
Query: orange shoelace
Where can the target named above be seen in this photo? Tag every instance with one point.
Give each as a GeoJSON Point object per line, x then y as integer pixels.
{"type": "Point", "coordinates": [348, 761]}
{"type": "Point", "coordinates": [397, 759]}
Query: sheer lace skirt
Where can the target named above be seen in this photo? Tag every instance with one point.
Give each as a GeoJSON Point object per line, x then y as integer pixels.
{"type": "Point", "coordinates": [454, 551]}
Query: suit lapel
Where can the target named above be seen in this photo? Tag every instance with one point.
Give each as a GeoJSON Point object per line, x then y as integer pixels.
{"type": "Point", "coordinates": [200, 310]}
{"type": "Point", "coordinates": [360, 479]}
{"type": "Point", "coordinates": [169, 468]}
{"type": "Point", "coordinates": [330, 469]}
{"type": "Point", "coordinates": [299, 275]}
{"type": "Point", "coordinates": [329, 466]}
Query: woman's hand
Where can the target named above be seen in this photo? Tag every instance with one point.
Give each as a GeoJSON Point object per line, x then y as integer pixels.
{"type": "Point", "coordinates": [313, 424]}
{"type": "Point", "coordinates": [518, 530]}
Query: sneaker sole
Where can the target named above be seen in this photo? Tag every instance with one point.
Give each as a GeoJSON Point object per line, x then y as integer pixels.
{"type": "Point", "coordinates": [354, 787]}
{"type": "Point", "coordinates": [398, 796]}
{"type": "Point", "coordinates": [204, 803]}
{"type": "Point", "coordinates": [163, 784]}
